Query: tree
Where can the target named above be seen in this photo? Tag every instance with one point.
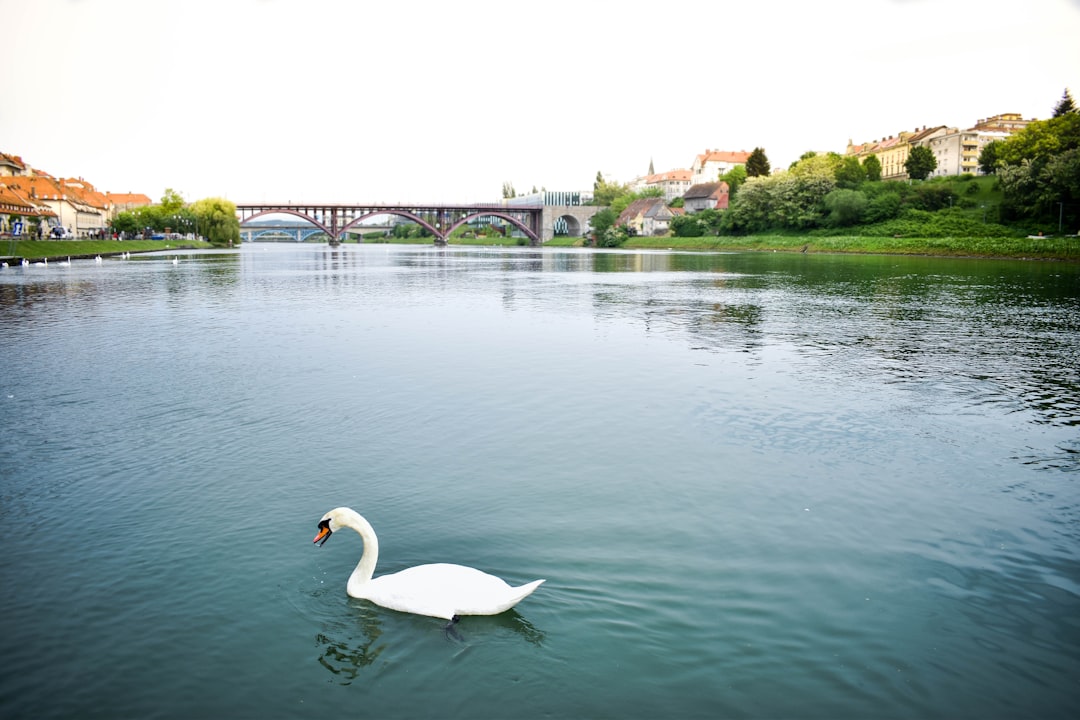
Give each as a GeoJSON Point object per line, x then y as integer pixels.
{"type": "Point", "coordinates": [872, 166]}
{"type": "Point", "coordinates": [920, 163]}
{"type": "Point", "coordinates": [604, 192]}
{"type": "Point", "coordinates": [1065, 105]}
{"type": "Point", "coordinates": [757, 165]}
{"type": "Point", "coordinates": [846, 207]}
{"type": "Point", "coordinates": [734, 178]}
{"type": "Point", "coordinates": [217, 221]}
{"type": "Point", "coordinates": [603, 220]}
{"type": "Point", "coordinates": [850, 173]}
{"type": "Point", "coordinates": [988, 157]}
{"type": "Point", "coordinates": [171, 201]}
{"type": "Point", "coordinates": [508, 190]}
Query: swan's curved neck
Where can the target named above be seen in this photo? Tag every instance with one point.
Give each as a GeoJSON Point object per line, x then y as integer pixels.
{"type": "Point", "coordinates": [366, 567]}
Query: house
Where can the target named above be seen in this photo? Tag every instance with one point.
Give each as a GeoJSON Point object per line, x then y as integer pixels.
{"type": "Point", "coordinates": [15, 207]}
{"type": "Point", "coordinates": [672, 184]}
{"type": "Point", "coordinates": [957, 151]}
{"type": "Point", "coordinates": [11, 165]}
{"type": "Point", "coordinates": [710, 165]}
{"type": "Point", "coordinates": [125, 202]}
{"type": "Point", "coordinates": [892, 152]}
{"type": "Point", "coordinates": [646, 216]}
{"type": "Point", "coordinates": [706, 196]}
{"type": "Point", "coordinates": [1008, 123]}
{"type": "Point", "coordinates": [74, 204]}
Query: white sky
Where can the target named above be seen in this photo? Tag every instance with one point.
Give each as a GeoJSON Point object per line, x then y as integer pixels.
{"type": "Point", "coordinates": [443, 100]}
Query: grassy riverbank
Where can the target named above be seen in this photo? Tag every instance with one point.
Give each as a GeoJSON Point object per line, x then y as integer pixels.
{"type": "Point", "coordinates": [1047, 248]}
{"type": "Point", "coordinates": [39, 249]}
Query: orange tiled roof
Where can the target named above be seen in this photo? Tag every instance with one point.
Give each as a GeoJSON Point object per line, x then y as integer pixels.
{"type": "Point", "coordinates": [132, 199]}
{"type": "Point", "coordinates": [724, 156]}
{"type": "Point", "coordinates": [13, 200]}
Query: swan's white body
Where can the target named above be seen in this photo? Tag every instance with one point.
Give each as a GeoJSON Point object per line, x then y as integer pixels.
{"type": "Point", "coordinates": [440, 590]}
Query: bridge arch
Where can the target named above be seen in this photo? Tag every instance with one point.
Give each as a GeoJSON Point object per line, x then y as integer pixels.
{"type": "Point", "coordinates": [488, 213]}
{"type": "Point", "coordinates": [399, 213]}
{"type": "Point", "coordinates": [286, 211]}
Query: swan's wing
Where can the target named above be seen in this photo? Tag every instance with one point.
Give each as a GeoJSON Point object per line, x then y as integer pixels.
{"type": "Point", "coordinates": [444, 590]}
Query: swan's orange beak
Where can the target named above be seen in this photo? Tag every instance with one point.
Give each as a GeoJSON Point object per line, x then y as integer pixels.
{"type": "Point", "coordinates": [324, 534]}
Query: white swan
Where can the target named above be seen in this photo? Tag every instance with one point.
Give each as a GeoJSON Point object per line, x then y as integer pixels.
{"type": "Point", "coordinates": [440, 590]}
{"type": "Point", "coordinates": [66, 263]}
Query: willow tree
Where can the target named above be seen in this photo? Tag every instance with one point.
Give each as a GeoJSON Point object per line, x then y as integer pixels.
{"type": "Point", "coordinates": [217, 221]}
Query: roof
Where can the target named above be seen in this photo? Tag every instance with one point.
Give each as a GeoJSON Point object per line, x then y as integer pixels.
{"type": "Point", "coordinates": [705, 190]}
{"type": "Point", "coordinates": [723, 156]}
{"type": "Point", "coordinates": [13, 161]}
{"type": "Point", "coordinates": [128, 199]}
{"type": "Point", "coordinates": [644, 207]}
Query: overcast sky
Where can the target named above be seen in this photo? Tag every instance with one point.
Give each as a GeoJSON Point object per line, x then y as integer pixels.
{"type": "Point", "coordinates": [444, 100]}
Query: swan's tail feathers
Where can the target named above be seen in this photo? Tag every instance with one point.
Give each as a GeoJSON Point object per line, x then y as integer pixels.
{"type": "Point", "coordinates": [523, 591]}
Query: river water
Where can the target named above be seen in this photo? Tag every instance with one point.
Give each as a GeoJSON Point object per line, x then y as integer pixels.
{"type": "Point", "coordinates": [758, 485]}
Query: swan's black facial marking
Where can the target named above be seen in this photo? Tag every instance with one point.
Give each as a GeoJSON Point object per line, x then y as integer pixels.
{"type": "Point", "coordinates": [324, 532]}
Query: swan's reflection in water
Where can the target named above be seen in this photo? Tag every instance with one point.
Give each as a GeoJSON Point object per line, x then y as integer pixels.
{"type": "Point", "coordinates": [351, 644]}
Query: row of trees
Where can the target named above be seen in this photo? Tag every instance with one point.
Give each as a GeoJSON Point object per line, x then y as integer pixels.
{"type": "Point", "coordinates": [211, 218]}
{"type": "Point", "coordinates": [1039, 169]}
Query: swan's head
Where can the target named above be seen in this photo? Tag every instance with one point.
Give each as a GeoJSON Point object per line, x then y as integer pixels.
{"type": "Point", "coordinates": [332, 521]}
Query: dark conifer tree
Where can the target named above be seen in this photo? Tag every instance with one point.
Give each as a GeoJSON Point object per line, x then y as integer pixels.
{"type": "Point", "coordinates": [757, 165]}
{"type": "Point", "coordinates": [1065, 105]}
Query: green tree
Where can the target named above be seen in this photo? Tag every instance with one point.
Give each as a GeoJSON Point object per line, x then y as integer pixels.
{"type": "Point", "coordinates": [872, 166]}
{"type": "Point", "coordinates": [685, 226]}
{"type": "Point", "coordinates": [171, 201]}
{"type": "Point", "coordinates": [217, 221]}
{"type": "Point", "coordinates": [508, 190]}
{"type": "Point", "coordinates": [126, 223]}
{"type": "Point", "coordinates": [1041, 140]}
{"type": "Point", "coordinates": [757, 165]}
{"type": "Point", "coordinates": [988, 157]}
{"type": "Point", "coordinates": [850, 173]}
{"type": "Point", "coordinates": [845, 206]}
{"type": "Point", "coordinates": [604, 192]}
{"type": "Point", "coordinates": [805, 156]}
{"type": "Point", "coordinates": [734, 178]}
{"type": "Point", "coordinates": [920, 162]}
{"type": "Point", "coordinates": [1039, 170]}
{"type": "Point", "coordinates": [1065, 105]}
{"type": "Point", "coordinates": [791, 200]}
{"type": "Point", "coordinates": [603, 220]}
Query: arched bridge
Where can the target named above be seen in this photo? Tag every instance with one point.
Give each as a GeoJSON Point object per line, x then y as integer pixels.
{"type": "Point", "coordinates": [537, 222]}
